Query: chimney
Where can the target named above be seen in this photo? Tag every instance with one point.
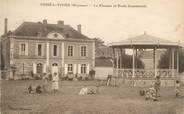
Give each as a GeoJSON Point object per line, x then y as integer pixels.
{"type": "Point", "coordinates": [5, 26]}
{"type": "Point", "coordinates": [79, 28]}
{"type": "Point", "coordinates": [60, 23]}
{"type": "Point", "coordinates": [45, 26]}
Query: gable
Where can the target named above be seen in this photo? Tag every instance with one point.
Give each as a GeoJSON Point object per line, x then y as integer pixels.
{"type": "Point", "coordinates": [55, 35]}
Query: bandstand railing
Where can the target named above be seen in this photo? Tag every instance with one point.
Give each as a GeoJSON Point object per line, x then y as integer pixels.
{"type": "Point", "coordinates": [144, 73]}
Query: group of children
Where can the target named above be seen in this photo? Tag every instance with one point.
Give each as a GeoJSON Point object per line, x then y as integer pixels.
{"type": "Point", "coordinates": [153, 93]}
{"type": "Point", "coordinates": [43, 87]}
{"type": "Point", "coordinates": [89, 90]}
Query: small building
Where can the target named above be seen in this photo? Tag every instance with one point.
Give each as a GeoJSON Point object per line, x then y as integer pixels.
{"type": "Point", "coordinates": [103, 67]}
{"type": "Point", "coordinates": [39, 47]}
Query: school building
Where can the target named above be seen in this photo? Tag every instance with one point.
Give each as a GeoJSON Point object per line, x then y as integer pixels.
{"type": "Point", "coordinates": [39, 47]}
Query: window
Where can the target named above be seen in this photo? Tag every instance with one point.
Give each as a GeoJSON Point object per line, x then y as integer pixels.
{"type": "Point", "coordinates": [39, 50]}
{"type": "Point", "coordinates": [55, 50]}
{"type": "Point", "coordinates": [70, 68]}
{"type": "Point", "coordinates": [83, 51]}
{"type": "Point", "coordinates": [83, 69]}
{"type": "Point", "coordinates": [70, 50]}
{"type": "Point", "coordinates": [23, 49]}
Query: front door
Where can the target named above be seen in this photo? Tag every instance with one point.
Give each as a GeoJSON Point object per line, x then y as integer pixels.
{"type": "Point", "coordinates": [39, 68]}
{"type": "Point", "coordinates": [55, 68]}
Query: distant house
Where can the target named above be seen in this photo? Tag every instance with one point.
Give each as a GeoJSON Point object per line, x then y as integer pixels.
{"type": "Point", "coordinates": [38, 47]}
{"type": "Point", "coordinates": [103, 67]}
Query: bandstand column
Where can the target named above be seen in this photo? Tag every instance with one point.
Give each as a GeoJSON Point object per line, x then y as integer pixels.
{"type": "Point", "coordinates": [170, 59]}
{"type": "Point", "coordinates": [113, 49]}
{"type": "Point", "coordinates": [154, 61]}
{"type": "Point", "coordinates": [177, 61]}
{"type": "Point", "coordinates": [117, 59]}
{"type": "Point", "coordinates": [133, 63]}
{"type": "Point", "coordinates": [121, 58]}
{"type": "Point", "coordinates": [172, 62]}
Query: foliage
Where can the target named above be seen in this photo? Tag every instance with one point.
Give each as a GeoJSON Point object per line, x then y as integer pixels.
{"type": "Point", "coordinates": [164, 60]}
{"type": "Point", "coordinates": [127, 62]}
{"type": "Point", "coordinates": [98, 41]}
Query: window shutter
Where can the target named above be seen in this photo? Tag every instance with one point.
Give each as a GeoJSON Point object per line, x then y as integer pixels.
{"type": "Point", "coordinates": [42, 49]}
{"type": "Point", "coordinates": [34, 68]}
{"type": "Point", "coordinates": [87, 72]}
{"type": "Point", "coordinates": [36, 50]}
{"type": "Point", "coordinates": [26, 50]}
{"type": "Point", "coordinates": [74, 69]}
{"type": "Point", "coordinates": [45, 68]}
{"type": "Point", "coordinates": [66, 68]}
{"type": "Point", "coordinates": [19, 48]}
{"type": "Point", "coordinates": [86, 51]}
{"type": "Point", "coordinates": [79, 68]}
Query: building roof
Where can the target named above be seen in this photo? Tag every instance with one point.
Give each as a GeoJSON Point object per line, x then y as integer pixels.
{"type": "Point", "coordinates": [34, 29]}
{"type": "Point", "coordinates": [145, 41]}
{"type": "Point", "coordinates": [103, 62]}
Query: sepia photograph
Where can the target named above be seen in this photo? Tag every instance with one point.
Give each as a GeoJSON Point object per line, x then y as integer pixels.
{"type": "Point", "coordinates": [91, 57]}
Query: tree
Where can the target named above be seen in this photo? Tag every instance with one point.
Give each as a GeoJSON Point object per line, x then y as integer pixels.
{"type": "Point", "coordinates": [164, 60]}
{"type": "Point", "coordinates": [128, 63]}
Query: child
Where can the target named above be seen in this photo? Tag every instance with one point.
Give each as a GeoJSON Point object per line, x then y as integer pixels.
{"type": "Point", "coordinates": [38, 89]}
{"type": "Point", "coordinates": [109, 77]}
{"type": "Point", "coordinates": [55, 82]}
{"type": "Point", "coordinates": [157, 86]}
{"type": "Point", "coordinates": [177, 88]}
{"type": "Point", "coordinates": [30, 89]}
{"type": "Point", "coordinates": [93, 90]}
{"type": "Point", "coordinates": [89, 90]}
{"type": "Point", "coordinates": [84, 91]}
{"type": "Point", "coordinates": [45, 82]}
{"type": "Point", "coordinates": [151, 94]}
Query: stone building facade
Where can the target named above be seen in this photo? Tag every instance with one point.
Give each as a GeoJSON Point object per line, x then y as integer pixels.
{"type": "Point", "coordinates": [42, 47]}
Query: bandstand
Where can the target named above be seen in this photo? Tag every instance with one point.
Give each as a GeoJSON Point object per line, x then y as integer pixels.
{"type": "Point", "coordinates": [143, 76]}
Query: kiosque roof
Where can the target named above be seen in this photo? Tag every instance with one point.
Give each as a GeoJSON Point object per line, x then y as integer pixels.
{"type": "Point", "coordinates": [33, 29]}
{"type": "Point", "coordinates": [145, 41]}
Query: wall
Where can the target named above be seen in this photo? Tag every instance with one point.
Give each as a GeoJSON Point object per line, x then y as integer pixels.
{"type": "Point", "coordinates": [27, 61]}
{"type": "Point", "coordinates": [102, 72]}
{"type": "Point", "coordinates": [5, 53]}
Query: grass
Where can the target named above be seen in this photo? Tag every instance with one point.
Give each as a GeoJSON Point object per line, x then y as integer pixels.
{"type": "Point", "coordinates": [110, 100]}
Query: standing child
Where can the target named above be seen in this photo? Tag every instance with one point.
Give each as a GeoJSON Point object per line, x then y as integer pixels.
{"type": "Point", "coordinates": [45, 82]}
{"type": "Point", "coordinates": [109, 77]}
{"type": "Point", "coordinates": [55, 82]}
{"type": "Point", "coordinates": [157, 86]}
{"type": "Point", "coordinates": [177, 88]}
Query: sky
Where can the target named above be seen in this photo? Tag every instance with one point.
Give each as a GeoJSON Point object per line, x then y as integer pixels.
{"type": "Point", "coordinates": [161, 18]}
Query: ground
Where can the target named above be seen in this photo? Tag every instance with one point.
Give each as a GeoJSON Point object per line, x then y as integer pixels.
{"type": "Point", "coordinates": [110, 100]}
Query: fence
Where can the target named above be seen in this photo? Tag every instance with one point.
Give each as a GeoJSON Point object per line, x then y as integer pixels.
{"type": "Point", "coordinates": [144, 73]}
